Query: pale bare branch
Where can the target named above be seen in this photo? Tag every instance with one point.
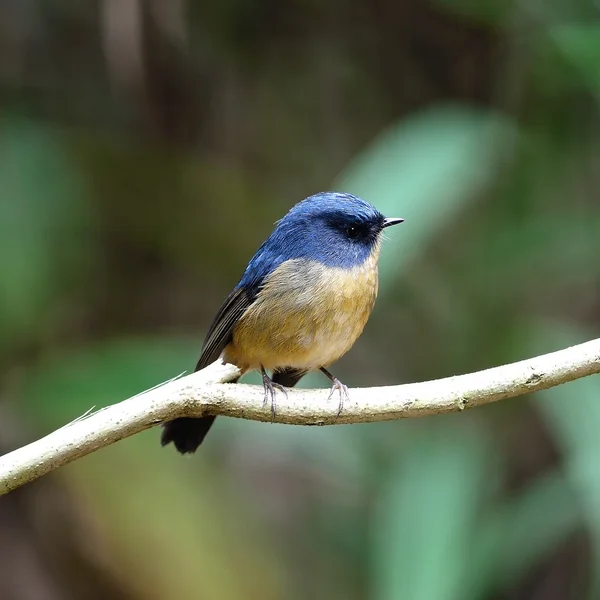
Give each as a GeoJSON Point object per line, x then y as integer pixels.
{"type": "Point", "coordinates": [204, 393]}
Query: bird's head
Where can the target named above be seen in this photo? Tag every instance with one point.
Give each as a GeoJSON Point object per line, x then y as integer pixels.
{"type": "Point", "coordinates": [337, 229]}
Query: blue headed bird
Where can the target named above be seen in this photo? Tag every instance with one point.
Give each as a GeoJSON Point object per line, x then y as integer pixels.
{"type": "Point", "coordinates": [301, 303]}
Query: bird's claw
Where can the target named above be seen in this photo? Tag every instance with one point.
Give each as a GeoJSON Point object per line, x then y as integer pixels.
{"type": "Point", "coordinates": [343, 391]}
{"type": "Point", "coordinates": [270, 387]}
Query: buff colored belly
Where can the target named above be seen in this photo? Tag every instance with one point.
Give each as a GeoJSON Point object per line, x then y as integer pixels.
{"type": "Point", "coordinates": [305, 317]}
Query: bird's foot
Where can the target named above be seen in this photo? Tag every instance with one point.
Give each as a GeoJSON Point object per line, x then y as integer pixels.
{"type": "Point", "coordinates": [341, 389]}
{"type": "Point", "coordinates": [270, 393]}
{"type": "Point", "coordinates": [343, 392]}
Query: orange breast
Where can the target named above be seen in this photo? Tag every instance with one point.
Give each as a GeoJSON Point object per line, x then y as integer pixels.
{"type": "Point", "coordinates": [306, 316]}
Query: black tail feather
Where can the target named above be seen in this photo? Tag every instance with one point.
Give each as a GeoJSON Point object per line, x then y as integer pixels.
{"type": "Point", "coordinates": [186, 433]}
{"type": "Point", "coordinates": [288, 377]}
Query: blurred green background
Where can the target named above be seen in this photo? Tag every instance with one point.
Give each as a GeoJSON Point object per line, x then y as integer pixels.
{"type": "Point", "coordinates": [147, 147]}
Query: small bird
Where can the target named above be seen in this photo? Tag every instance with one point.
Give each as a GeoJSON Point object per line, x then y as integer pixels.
{"type": "Point", "coordinates": [301, 303]}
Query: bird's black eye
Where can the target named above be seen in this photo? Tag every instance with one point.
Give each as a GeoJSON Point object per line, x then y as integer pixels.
{"type": "Point", "coordinates": [352, 232]}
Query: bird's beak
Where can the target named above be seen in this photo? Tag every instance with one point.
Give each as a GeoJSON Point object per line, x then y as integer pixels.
{"type": "Point", "coordinates": [391, 221]}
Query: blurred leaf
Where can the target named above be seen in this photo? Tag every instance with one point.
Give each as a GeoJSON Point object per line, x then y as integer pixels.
{"type": "Point", "coordinates": [425, 169]}
{"type": "Point", "coordinates": [65, 386]}
{"type": "Point", "coordinates": [41, 206]}
{"type": "Point", "coordinates": [523, 531]}
{"type": "Point", "coordinates": [426, 517]}
{"type": "Point", "coordinates": [572, 412]}
{"type": "Point", "coordinates": [171, 521]}
{"type": "Point", "coordinates": [178, 528]}
{"type": "Point", "coordinates": [493, 12]}
{"type": "Point", "coordinates": [580, 47]}
{"type": "Point", "coordinates": [533, 250]}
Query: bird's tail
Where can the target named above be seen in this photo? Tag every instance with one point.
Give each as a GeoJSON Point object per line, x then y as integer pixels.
{"type": "Point", "coordinates": [186, 433]}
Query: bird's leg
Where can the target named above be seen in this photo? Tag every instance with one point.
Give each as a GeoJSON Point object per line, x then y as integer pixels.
{"type": "Point", "coordinates": [270, 387]}
{"type": "Point", "coordinates": [339, 386]}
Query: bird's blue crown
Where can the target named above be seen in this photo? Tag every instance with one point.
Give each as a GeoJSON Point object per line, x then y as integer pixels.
{"type": "Point", "coordinates": [335, 229]}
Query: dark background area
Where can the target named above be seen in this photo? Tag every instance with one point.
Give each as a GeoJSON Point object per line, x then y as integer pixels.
{"type": "Point", "coordinates": [146, 149]}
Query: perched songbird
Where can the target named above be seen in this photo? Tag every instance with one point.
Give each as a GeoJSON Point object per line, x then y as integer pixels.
{"type": "Point", "coordinates": [302, 302]}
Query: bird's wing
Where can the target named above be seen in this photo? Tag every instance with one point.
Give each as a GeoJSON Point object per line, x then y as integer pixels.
{"type": "Point", "coordinates": [220, 331]}
{"type": "Point", "coordinates": [264, 262]}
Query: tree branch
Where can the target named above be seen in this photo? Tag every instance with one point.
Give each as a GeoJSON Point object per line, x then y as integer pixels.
{"type": "Point", "coordinates": [205, 393]}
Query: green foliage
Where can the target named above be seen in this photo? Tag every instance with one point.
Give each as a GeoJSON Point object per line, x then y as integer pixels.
{"type": "Point", "coordinates": [173, 496]}
{"type": "Point", "coordinates": [579, 46]}
{"type": "Point", "coordinates": [572, 413]}
{"type": "Point", "coordinates": [427, 513]}
{"type": "Point", "coordinates": [430, 164]}
{"type": "Point", "coordinates": [95, 375]}
{"type": "Point", "coordinates": [42, 203]}
{"type": "Point", "coordinates": [113, 245]}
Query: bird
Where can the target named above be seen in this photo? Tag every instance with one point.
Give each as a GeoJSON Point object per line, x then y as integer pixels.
{"type": "Point", "coordinates": [299, 306]}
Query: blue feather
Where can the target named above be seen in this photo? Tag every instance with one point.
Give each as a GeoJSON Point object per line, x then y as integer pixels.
{"type": "Point", "coordinates": [317, 228]}
{"type": "Point", "coordinates": [301, 303]}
